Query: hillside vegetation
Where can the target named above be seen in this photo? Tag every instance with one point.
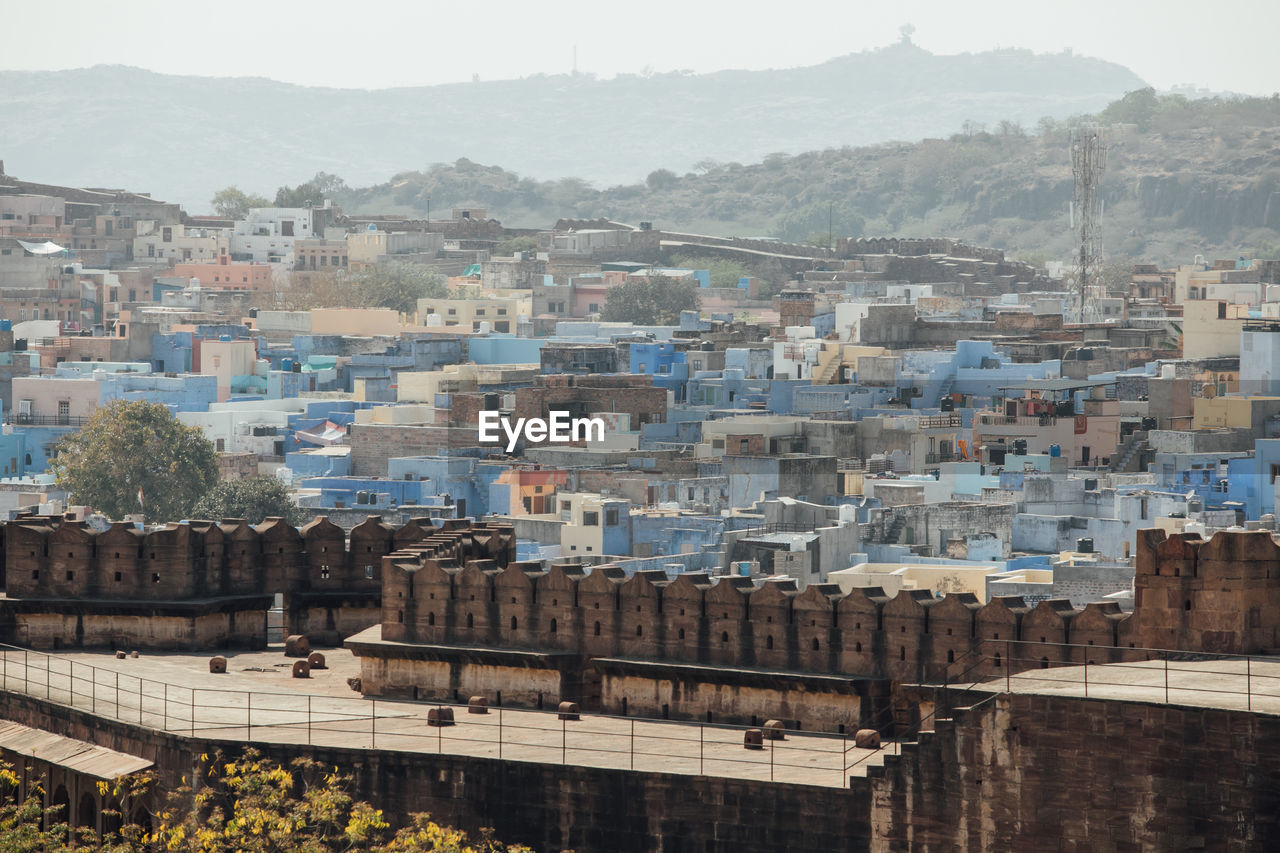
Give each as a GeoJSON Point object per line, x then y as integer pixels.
{"type": "Point", "coordinates": [1183, 177]}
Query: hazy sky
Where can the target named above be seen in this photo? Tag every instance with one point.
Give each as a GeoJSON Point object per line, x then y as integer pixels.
{"type": "Point", "coordinates": [1221, 45]}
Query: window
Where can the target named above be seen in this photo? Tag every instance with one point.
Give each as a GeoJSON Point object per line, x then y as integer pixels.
{"type": "Point", "coordinates": [591, 519]}
{"type": "Point", "coordinates": [611, 518]}
{"type": "Point", "coordinates": [286, 228]}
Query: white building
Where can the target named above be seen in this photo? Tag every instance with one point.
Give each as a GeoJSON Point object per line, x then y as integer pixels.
{"type": "Point", "coordinates": [266, 235]}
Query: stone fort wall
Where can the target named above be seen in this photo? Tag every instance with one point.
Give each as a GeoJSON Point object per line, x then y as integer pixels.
{"type": "Point", "coordinates": [1221, 595]}
{"type": "Point", "coordinates": [49, 558]}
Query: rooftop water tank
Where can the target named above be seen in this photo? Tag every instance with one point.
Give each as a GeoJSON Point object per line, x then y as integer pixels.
{"type": "Point", "coordinates": [1055, 450]}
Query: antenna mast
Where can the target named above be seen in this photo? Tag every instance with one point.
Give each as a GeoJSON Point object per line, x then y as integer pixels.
{"type": "Point", "coordinates": [1088, 162]}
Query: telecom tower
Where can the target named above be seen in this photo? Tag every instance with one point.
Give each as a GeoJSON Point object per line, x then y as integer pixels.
{"type": "Point", "coordinates": [1088, 162]}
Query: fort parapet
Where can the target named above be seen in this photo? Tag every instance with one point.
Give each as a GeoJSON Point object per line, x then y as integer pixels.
{"type": "Point", "coordinates": [649, 644]}
{"type": "Point", "coordinates": [201, 584]}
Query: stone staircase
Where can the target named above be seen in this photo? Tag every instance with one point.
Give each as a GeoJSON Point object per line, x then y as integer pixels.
{"type": "Point", "coordinates": [826, 373]}
{"type": "Point", "coordinates": [947, 385]}
{"type": "Point", "coordinates": [894, 529]}
{"type": "Point", "coordinates": [1133, 448]}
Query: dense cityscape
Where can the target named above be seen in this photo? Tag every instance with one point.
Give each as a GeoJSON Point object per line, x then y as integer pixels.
{"type": "Point", "coordinates": [336, 520]}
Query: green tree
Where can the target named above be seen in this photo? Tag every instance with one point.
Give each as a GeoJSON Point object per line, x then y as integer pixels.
{"type": "Point", "coordinates": [655, 300]}
{"type": "Point", "coordinates": [248, 804]}
{"type": "Point", "coordinates": [313, 192]}
{"type": "Point", "coordinates": [254, 804]}
{"type": "Point", "coordinates": [399, 285]}
{"type": "Point", "coordinates": [662, 179]}
{"type": "Point", "coordinates": [253, 499]}
{"type": "Point", "coordinates": [132, 446]}
{"type": "Point", "coordinates": [1136, 107]}
{"type": "Point", "coordinates": [233, 203]}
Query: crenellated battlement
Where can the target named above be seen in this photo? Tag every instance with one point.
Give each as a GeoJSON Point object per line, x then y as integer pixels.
{"type": "Point", "coordinates": [49, 557]}
{"type": "Point", "coordinates": [1214, 593]}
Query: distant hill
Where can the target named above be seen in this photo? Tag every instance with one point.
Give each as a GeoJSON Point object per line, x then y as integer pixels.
{"type": "Point", "coordinates": [1183, 177]}
{"type": "Point", "coordinates": [183, 138]}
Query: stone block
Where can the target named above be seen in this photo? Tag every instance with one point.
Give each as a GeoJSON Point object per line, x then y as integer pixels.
{"type": "Point", "coordinates": [218, 664]}
{"type": "Point", "coordinates": [440, 717]}
{"type": "Point", "coordinates": [569, 711]}
{"type": "Point", "coordinates": [477, 705]}
{"type": "Point", "coordinates": [774, 730]}
{"type": "Point", "coordinates": [753, 739]}
{"type": "Point", "coordinates": [316, 660]}
{"type": "Point", "coordinates": [866, 739]}
{"type": "Point", "coordinates": [301, 669]}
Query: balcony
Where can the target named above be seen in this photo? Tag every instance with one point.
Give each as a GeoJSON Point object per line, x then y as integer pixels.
{"type": "Point", "coordinates": [949, 421]}
{"type": "Point", "coordinates": [20, 419]}
{"type": "Point", "coordinates": [997, 419]}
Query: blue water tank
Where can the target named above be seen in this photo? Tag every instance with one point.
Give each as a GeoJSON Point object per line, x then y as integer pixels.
{"type": "Point", "coordinates": [224, 338]}
{"type": "Point", "coordinates": [6, 325]}
{"type": "Point", "coordinates": [744, 568]}
{"type": "Point", "coordinates": [286, 364]}
{"type": "Point", "coordinates": [1055, 450]}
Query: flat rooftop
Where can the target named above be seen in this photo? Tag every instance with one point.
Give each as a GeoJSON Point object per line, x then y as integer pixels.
{"type": "Point", "coordinates": [258, 701]}
{"type": "Point", "coordinates": [1238, 684]}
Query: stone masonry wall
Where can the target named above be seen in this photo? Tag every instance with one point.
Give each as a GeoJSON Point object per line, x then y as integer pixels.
{"type": "Point", "coordinates": [1026, 773]}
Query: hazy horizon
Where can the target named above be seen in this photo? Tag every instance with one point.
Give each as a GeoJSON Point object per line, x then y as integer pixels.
{"type": "Point", "coordinates": [405, 44]}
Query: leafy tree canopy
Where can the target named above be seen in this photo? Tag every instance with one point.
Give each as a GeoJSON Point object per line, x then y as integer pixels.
{"type": "Point", "coordinates": [253, 499]}
{"type": "Point", "coordinates": [233, 203]}
{"type": "Point", "coordinates": [132, 445]}
{"type": "Point", "coordinates": [313, 192]}
{"type": "Point", "coordinates": [656, 300]}
{"type": "Point", "coordinates": [395, 284]}
{"type": "Point", "coordinates": [399, 285]}
{"type": "Point", "coordinates": [248, 804]}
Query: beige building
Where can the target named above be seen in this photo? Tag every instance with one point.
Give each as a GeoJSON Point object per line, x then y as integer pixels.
{"type": "Point", "coordinates": [422, 386]}
{"type": "Point", "coordinates": [586, 518]}
{"type": "Point", "coordinates": [501, 314]}
{"type": "Point", "coordinates": [751, 435]}
{"type": "Point", "coordinates": [53, 400]}
{"type": "Point", "coordinates": [1211, 328]}
{"type": "Point", "coordinates": [355, 322]}
{"type": "Point", "coordinates": [165, 245]}
{"type": "Point", "coordinates": [372, 247]}
{"type": "Point", "coordinates": [894, 577]}
{"type": "Point", "coordinates": [225, 360]}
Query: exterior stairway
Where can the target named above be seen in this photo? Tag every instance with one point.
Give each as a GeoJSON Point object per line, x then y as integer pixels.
{"type": "Point", "coordinates": [1133, 448]}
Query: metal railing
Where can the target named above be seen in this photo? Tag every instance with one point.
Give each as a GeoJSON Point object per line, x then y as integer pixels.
{"type": "Point", "coordinates": [1142, 674]}
{"type": "Point", "coordinates": [939, 421]}
{"type": "Point", "coordinates": [23, 419]}
{"type": "Point", "coordinates": [996, 419]}
{"type": "Point", "coordinates": [633, 743]}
